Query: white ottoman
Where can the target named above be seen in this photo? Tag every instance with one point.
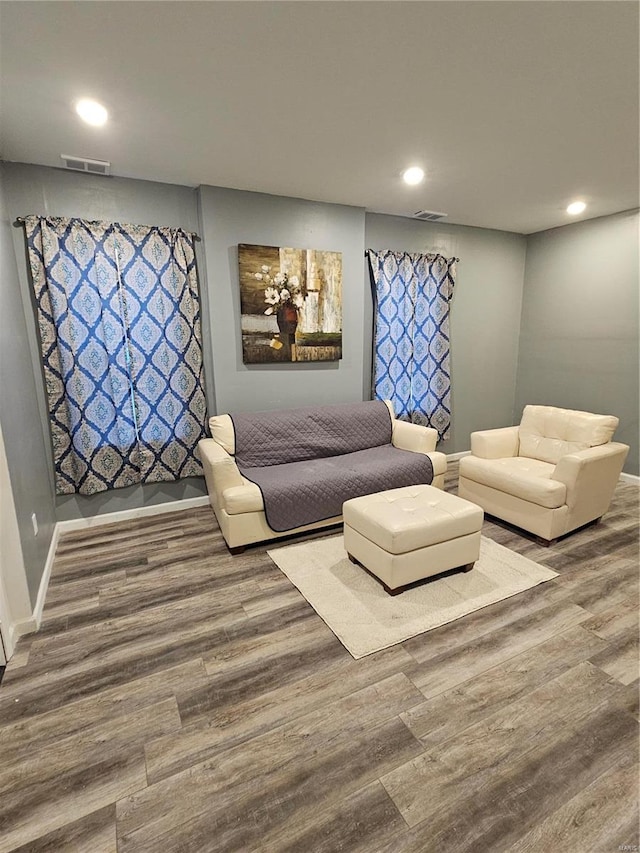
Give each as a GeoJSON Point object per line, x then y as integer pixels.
{"type": "Point", "coordinates": [405, 535]}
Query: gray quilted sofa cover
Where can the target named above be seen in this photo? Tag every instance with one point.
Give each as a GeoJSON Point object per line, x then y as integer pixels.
{"type": "Point", "coordinates": [307, 462]}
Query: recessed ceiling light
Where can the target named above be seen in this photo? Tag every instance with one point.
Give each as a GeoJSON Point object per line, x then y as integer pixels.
{"type": "Point", "coordinates": [576, 207]}
{"type": "Point", "coordinates": [92, 112]}
{"type": "Point", "coordinates": [413, 175]}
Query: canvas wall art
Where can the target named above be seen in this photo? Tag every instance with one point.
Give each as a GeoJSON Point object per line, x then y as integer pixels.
{"type": "Point", "coordinates": [291, 304]}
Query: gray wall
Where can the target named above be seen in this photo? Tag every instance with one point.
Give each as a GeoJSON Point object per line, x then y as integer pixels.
{"type": "Point", "coordinates": [579, 333]}
{"type": "Point", "coordinates": [229, 217]}
{"type": "Point", "coordinates": [56, 192]}
{"type": "Point", "coordinates": [27, 452]}
{"type": "Point", "coordinates": [577, 345]}
{"type": "Point", "coordinates": [485, 315]}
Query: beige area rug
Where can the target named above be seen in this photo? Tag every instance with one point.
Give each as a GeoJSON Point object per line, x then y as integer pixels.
{"type": "Point", "coordinates": [366, 619]}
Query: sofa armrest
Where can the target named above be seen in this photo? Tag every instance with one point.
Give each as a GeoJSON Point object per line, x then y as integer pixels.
{"type": "Point", "coordinates": [220, 470]}
{"type": "Point", "coordinates": [439, 462]}
{"type": "Point", "coordinates": [495, 443]}
{"type": "Point", "coordinates": [419, 439]}
{"type": "Point", "coordinates": [591, 475]}
{"type": "Point", "coordinates": [245, 498]}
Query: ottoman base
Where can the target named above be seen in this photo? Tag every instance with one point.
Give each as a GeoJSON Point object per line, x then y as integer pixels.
{"type": "Point", "coordinates": [397, 571]}
{"type": "Point", "coordinates": [400, 589]}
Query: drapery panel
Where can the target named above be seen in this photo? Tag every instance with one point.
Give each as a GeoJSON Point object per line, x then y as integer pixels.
{"type": "Point", "coordinates": [411, 344]}
{"type": "Point", "coordinates": [119, 318]}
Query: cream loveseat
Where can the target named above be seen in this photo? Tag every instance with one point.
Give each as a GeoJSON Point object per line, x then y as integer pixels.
{"type": "Point", "coordinates": [553, 473]}
{"type": "Point", "coordinates": [238, 503]}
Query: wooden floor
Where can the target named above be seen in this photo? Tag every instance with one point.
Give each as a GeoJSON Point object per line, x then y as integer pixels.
{"type": "Point", "coordinates": [180, 699]}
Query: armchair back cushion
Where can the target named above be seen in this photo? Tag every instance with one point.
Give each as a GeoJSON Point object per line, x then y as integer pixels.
{"type": "Point", "coordinates": [546, 433]}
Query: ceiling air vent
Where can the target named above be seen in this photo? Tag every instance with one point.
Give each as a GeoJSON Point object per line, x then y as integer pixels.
{"type": "Point", "coordinates": [429, 215]}
{"type": "Point", "coordinates": [84, 164]}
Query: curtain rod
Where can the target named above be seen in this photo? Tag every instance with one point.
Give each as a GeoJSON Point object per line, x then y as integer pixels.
{"type": "Point", "coordinates": [20, 220]}
{"type": "Point", "coordinates": [437, 254]}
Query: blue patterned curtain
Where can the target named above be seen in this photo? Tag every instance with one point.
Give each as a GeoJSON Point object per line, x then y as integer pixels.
{"type": "Point", "coordinates": [119, 319]}
{"type": "Point", "coordinates": [411, 349]}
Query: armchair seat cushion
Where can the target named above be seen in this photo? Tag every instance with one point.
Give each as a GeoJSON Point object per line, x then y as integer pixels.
{"type": "Point", "coordinates": [522, 477]}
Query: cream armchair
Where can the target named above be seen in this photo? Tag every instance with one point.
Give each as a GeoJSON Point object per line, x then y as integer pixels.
{"type": "Point", "coordinates": [555, 472]}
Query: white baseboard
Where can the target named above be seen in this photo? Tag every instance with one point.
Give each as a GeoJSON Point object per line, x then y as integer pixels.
{"type": "Point", "coordinates": [453, 457]}
{"type": "Point", "coordinates": [28, 626]}
{"type": "Point", "coordinates": [19, 629]}
{"type": "Point", "coordinates": [44, 581]}
{"type": "Point", "coordinates": [128, 514]}
{"type": "Point", "coordinates": [12, 631]}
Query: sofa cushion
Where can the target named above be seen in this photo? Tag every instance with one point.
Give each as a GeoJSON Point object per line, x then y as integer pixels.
{"type": "Point", "coordinates": [547, 433]}
{"type": "Point", "coordinates": [264, 439]}
{"type": "Point", "coordinates": [221, 428]}
{"type": "Point", "coordinates": [305, 492]}
{"type": "Point", "coordinates": [222, 431]}
{"type": "Point", "coordinates": [519, 476]}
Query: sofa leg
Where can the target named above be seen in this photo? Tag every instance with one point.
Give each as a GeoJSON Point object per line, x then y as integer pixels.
{"type": "Point", "coordinates": [546, 543]}
{"type": "Point", "coordinates": [468, 567]}
{"type": "Point", "coordinates": [238, 550]}
{"type": "Point", "coordinates": [353, 559]}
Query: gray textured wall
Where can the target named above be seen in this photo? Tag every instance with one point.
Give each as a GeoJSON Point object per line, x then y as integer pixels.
{"type": "Point", "coordinates": [230, 217]}
{"type": "Point", "coordinates": [27, 453]}
{"type": "Point", "coordinates": [577, 345]}
{"type": "Point", "coordinates": [579, 333]}
{"type": "Point", "coordinates": [56, 192]}
{"type": "Point", "coordinates": [485, 315]}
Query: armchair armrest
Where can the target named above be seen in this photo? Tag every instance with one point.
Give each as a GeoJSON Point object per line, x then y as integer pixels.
{"type": "Point", "coordinates": [220, 470]}
{"type": "Point", "coordinates": [419, 439]}
{"type": "Point", "coordinates": [591, 475]}
{"type": "Point", "coordinates": [495, 443]}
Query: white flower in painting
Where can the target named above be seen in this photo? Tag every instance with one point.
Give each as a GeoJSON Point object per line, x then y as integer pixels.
{"type": "Point", "coordinates": [271, 296]}
{"type": "Point", "coordinates": [280, 289]}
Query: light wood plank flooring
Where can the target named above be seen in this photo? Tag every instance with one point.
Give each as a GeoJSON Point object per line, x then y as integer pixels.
{"type": "Point", "coordinates": [179, 699]}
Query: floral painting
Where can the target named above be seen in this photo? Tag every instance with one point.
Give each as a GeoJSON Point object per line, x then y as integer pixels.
{"type": "Point", "coordinates": [291, 304]}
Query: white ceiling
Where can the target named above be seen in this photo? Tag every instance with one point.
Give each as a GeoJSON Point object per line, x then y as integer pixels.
{"type": "Point", "coordinates": [514, 109]}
